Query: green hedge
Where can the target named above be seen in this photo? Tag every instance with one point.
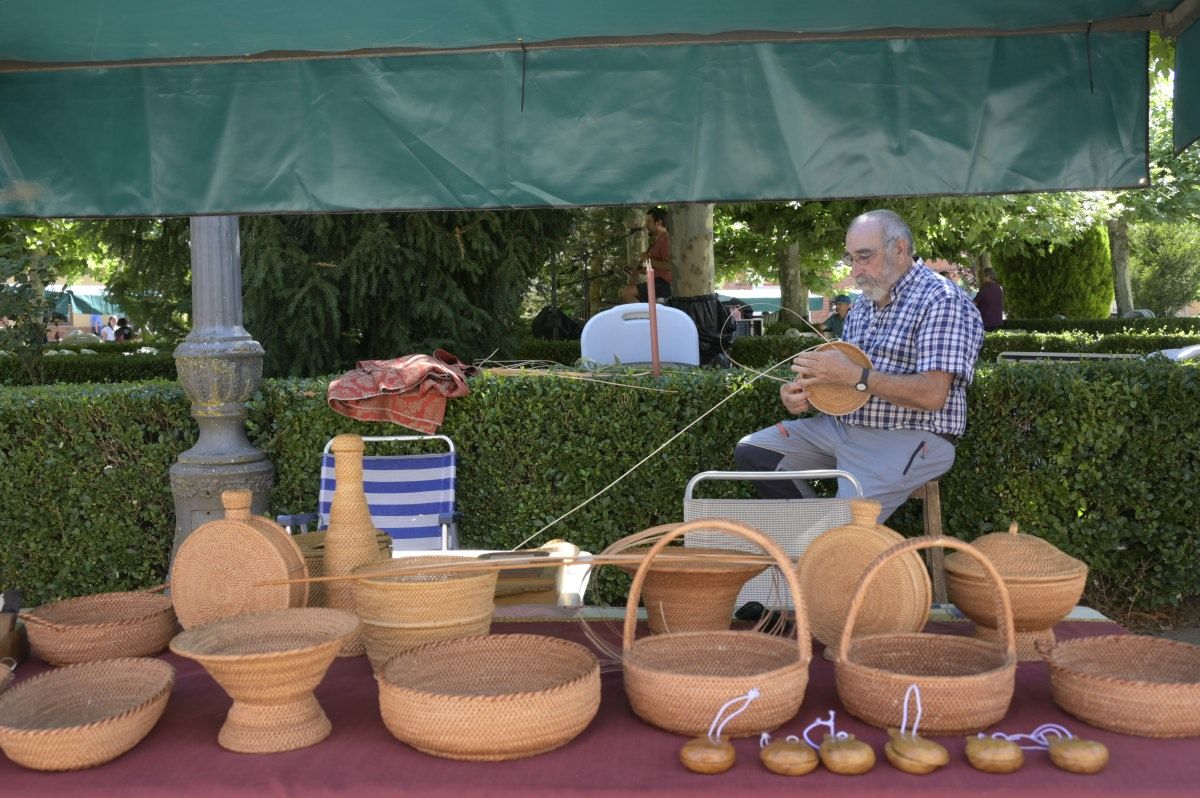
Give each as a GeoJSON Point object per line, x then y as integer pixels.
{"type": "Point", "coordinates": [112, 346]}
{"type": "Point", "coordinates": [564, 352]}
{"type": "Point", "coordinates": [1099, 458]}
{"type": "Point", "coordinates": [101, 367]}
{"type": "Point", "coordinates": [1166, 325]}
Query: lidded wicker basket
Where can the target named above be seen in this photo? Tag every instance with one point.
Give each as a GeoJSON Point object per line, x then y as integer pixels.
{"type": "Point", "coordinates": [1148, 686]}
{"type": "Point", "coordinates": [100, 626]}
{"type": "Point", "coordinates": [836, 399]}
{"type": "Point", "coordinates": [83, 715]}
{"type": "Point", "coordinates": [966, 684]}
{"type": "Point", "coordinates": [1044, 584]}
{"type": "Point", "coordinates": [679, 680]}
{"type": "Point", "coordinates": [490, 698]}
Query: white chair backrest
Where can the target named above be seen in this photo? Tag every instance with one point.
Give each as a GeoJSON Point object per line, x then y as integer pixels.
{"type": "Point", "coordinates": [623, 334]}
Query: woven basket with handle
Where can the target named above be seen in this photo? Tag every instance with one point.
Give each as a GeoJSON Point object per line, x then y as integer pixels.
{"type": "Point", "coordinates": [966, 684]}
{"type": "Point", "coordinates": [679, 680]}
{"type": "Point", "coordinates": [101, 626]}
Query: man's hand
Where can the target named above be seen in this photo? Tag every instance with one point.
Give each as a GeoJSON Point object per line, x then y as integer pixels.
{"type": "Point", "coordinates": [794, 398]}
{"type": "Point", "coordinates": [828, 366]}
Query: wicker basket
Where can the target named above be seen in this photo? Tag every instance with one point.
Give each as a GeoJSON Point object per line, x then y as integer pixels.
{"type": "Point", "coordinates": [83, 715]}
{"type": "Point", "coordinates": [312, 544]}
{"type": "Point", "coordinates": [100, 626]}
{"type": "Point", "coordinates": [678, 681]}
{"type": "Point", "coordinates": [401, 610]}
{"type": "Point", "coordinates": [1131, 684]}
{"type": "Point", "coordinates": [836, 399]}
{"type": "Point", "coordinates": [490, 698]}
{"type": "Point", "coordinates": [966, 684]}
{"type": "Point", "coordinates": [269, 663]}
{"type": "Point", "coordinates": [7, 666]}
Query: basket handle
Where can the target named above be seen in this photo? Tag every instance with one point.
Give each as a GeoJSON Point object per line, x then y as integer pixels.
{"type": "Point", "coordinates": [737, 529]}
{"type": "Point", "coordinates": [1004, 606]}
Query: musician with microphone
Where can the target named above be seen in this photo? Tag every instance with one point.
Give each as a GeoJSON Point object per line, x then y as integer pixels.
{"type": "Point", "coordinates": [658, 256]}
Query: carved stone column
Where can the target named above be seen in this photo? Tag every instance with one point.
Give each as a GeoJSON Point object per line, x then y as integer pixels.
{"type": "Point", "coordinates": [219, 365]}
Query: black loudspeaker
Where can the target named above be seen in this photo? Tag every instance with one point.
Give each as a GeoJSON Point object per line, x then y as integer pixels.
{"type": "Point", "coordinates": [552, 324]}
{"type": "Point", "coordinates": [712, 323]}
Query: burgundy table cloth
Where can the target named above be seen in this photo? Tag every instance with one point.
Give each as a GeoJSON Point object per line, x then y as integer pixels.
{"type": "Point", "coordinates": [617, 755]}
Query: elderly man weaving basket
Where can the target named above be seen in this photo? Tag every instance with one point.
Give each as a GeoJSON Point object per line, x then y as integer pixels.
{"type": "Point", "coordinates": [922, 335]}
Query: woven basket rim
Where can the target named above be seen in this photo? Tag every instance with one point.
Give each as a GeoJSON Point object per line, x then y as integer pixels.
{"type": "Point", "coordinates": [1009, 579]}
{"type": "Point", "coordinates": [153, 667]}
{"type": "Point", "coordinates": [177, 647]}
{"type": "Point", "coordinates": [389, 578]}
{"type": "Point", "coordinates": [733, 635]}
{"type": "Point", "coordinates": [1123, 681]}
{"type": "Point", "coordinates": [663, 564]}
{"type": "Point", "coordinates": [1007, 661]}
{"type": "Point", "coordinates": [522, 640]}
{"type": "Point", "coordinates": [31, 615]}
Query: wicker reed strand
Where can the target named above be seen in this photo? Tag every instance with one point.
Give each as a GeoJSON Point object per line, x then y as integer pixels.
{"type": "Point", "coordinates": [677, 681]}
{"type": "Point", "coordinates": [350, 539]}
{"type": "Point", "coordinates": [83, 715]}
{"type": "Point", "coordinates": [1132, 684]}
{"type": "Point", "coordinates": [490, 698]}
{"type": "Point", "coordinates": [966, 684]}
{"type": "Point", "coordinates": [100, 626]}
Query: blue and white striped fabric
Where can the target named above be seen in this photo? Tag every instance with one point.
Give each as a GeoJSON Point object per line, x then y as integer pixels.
{"type": "Point", "coordinates": [406, 495]}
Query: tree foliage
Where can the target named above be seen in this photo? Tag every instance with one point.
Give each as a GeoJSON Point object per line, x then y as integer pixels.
{"type": "Point", "coordinates": [1165, 265]}
{"type": "Point", "coordinates": [1073, 280]}
{"type": "Point", "coordinates": [153, 279]}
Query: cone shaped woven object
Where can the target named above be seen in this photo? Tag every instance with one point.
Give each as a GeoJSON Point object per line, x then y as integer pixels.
{"type": "Point", "coordinates": [350, 538]}
{"type": "Point", "coordinates": [83, 715]}
{"type": "Point", "coordinates": [1043, 582]}
{"type": "Point", "coordinates": [679, 680]}
{"type": "Point", "coordinates": [838, 399]}
{"type": "Point", "coordinates": [218, 570]}
{"type": "Point", "coordinates": [682, 594]}
{"type": "Point", "coordinates": [269, 663]}
{"type": "Point", "coordinates": [833, 564]}
{"type": "Point", "coordinates": [100, 626]}
{"type": "Point", "coordinates": [312, 544]}
{"type": "Point", "coordinates": [490, 698]}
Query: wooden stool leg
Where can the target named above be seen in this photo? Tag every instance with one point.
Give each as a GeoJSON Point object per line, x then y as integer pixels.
{"type": "Point", "coordinates": [932, 515]}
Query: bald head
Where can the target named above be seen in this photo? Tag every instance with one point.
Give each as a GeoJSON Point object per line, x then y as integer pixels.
{"type": "Point", "coordinates": [889, 224]}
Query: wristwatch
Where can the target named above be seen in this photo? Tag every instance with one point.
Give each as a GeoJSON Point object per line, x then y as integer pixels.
{"type": "Point", "coordinates": [861, 385]}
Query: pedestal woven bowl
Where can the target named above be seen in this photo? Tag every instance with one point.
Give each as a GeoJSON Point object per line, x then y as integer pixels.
{"type": "Point", "coordinates": [837, 399]}
{"type": "Point", "coordinates": [269, 663]}
{"type": "Point", "coordinates": [490, 698]}
{"type": "Point", "coordinates": [679, 680]}
{"type": "Point", "coordinates": [683, 594]}
{"type": "Point", "coordinates": [401, 608]}
{"type": "Point", "coordinates": [83, 715]}
{"type": "Point", "coordinates": [100, 626]}
{"type": "Point", "coordinates": [1131, 684]}
{"type": "Point", "coordinates": [966, 684]}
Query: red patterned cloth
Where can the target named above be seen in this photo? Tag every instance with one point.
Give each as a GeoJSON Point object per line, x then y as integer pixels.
{"type": "Point", "coordinates": [410, 390]}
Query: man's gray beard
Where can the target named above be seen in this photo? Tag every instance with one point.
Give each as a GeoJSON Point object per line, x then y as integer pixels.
{"type": "Point", "coordinates": [878, 292]}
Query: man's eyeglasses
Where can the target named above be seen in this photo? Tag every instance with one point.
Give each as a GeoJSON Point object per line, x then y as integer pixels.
{"type": "Point", "coordinates": [862, 257]}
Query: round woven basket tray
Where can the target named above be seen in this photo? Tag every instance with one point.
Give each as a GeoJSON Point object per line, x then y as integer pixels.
{"type": "Point", "coordinates": [679, 680]}
{"type": "Point", "coordinates": [83, 715]}
{"type": "Point", "coordinates": [490, 698]}
{"type": "Point", "coordinates": [833, 564]}
{"type": "Point", "coordinates": [838, 399]}
{"type": "Point", "coordinates": [682, 593]}
{"type": "Point", "coordinates": [1147, 686]}
{"type": "Point", "coordinates": [100, 626]}
{"type": "Point", "coordinates": [966, 684]}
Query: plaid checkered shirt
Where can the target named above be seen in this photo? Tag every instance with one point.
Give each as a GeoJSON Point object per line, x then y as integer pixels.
{"type": "Point", "coordinates": [930, 325]}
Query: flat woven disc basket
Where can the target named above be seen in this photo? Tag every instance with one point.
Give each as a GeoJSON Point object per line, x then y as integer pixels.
{"type": "Point", "coordinates": [100, 626]}
{"type": "Point", "coordinates": [679, 680]}
{"type": "Point", "coordinates": [966, 684]}
{"type": "Point", "coordinates": [1147, 686]}
{"type": "Point", "coordinates": [837, 399]}
{"type": "Point", "coordinates": [83, 715]}
{"type": "Point", "coordinates": [490, 698]}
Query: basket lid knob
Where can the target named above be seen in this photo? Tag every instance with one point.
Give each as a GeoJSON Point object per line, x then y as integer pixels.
{"type": "Point", "coordinates": [865, 512]}
{"type": "Point", "coordinates": [236, 503]}
{"type": "Point", "coordinates": [346, 443]}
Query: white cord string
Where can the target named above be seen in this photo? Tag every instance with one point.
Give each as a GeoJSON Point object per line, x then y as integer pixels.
{"type": "Point", "coordinates": [1039, 736]}
{"type": "Point", "coordinates": [827, 723]}
{"type": "Point", "coordinates": [718, 724]}
{"type": "Point", "coordinates": [764, 739]}
{"type": "Point", "coordinates": [914, 691]}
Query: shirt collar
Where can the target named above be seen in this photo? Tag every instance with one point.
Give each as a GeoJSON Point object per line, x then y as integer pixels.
{"type": "Point", "coordinates": [904, 283]}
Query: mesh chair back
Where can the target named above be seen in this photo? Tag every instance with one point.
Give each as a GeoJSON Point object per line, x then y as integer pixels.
{"type": "Point", "coordinates": [623, 334]}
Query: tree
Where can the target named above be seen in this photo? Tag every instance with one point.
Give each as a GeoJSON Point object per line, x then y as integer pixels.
{"type": "Point", "coordinates": [1073, 281]}
{"type": "Point", "coordinates": [1164, 263]}
{"type": "Point", "coordinates": [152, 281]}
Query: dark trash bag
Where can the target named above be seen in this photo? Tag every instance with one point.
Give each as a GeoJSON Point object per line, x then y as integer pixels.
{"type": "Point", "coordinates": [712, 323]}
{"type": "Point", "coordinates": [551, 324]}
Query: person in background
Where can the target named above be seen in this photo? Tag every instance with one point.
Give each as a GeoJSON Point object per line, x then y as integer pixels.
{"type": "Point", "coordinates": [990, 301]}
{"type": "Point", "coordinates": [837, 320]}
{"type": "Point", "coordinates": [123, 332]}
{"type": "Point", "coordinates": [109, 331]}
{"type": "Point", "coordinates": [659, 257]}
{"type": "Point", "coordinates": [97, 323]}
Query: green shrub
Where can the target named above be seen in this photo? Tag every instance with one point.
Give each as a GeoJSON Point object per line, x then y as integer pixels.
{"type": "Point", "coordinates": [106, 347]}
{"type": "Point", "coordinates": [1077, 341]}
{"type": "Point", "coordinates": [564, 352]}
{"type": "Point", "coordinates": [761, 351]}
{"type": "Point", "coordinates": [1073, 280]}
{"type": "Point", "coordinates": [1164, 265]}
{"type": "Point", "coordinates": [101, 367]}
{"type": "Point", "coordinates": [1161, 325]}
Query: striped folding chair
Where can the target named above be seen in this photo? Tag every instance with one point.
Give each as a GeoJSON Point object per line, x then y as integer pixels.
{"type": "Point", "coordinates": [410, 496]}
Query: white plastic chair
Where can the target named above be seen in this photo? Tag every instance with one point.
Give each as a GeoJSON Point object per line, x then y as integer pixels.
{"type": "Point", "coordinates": [622, 334]}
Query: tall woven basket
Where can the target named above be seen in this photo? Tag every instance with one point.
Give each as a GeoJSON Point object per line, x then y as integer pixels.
{"type": "Point", "coordinates": [679, 680]}
{"type": "Point", "coordinates": [966, 684]}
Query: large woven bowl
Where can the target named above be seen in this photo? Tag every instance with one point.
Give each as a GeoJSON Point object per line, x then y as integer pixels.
{"type": "Point", "coordinates": [679, 680]}
{"type": "Point", "coordinates": [490, 698]}
{"type": "Point", "coordinates": [83, 715]}
{"type": "Point", "coordinates": [837, 399]}
{"type": "Point", "coordinates": [402, 609]}
{"type": "Point", "coordinates": [269, 663]}
{"type": "Point", "coordinates": [966, 684]}
{"type": "Point", "coordinates": [100, 626]}
{"type": "Point", "coordinates": [1132, 684]}
{"type": "Point", "coordinates": [682, 594]}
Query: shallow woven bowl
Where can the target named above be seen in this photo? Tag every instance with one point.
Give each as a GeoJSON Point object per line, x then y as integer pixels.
{"type": "Point", "coordinates": [1147, 686]}
{"type": "Point", "coordinates": [100, 626]}
{"type": "Point", "coordinates": [83, 715]}
{"type": "Point", "coordinates": [490, 698]}
{"type": "Point", "coordinates": [692, 596]}
{"type": "Point", "coordinates": [269, 663]}
{"type": "Point", "coordinates": [838, 399]}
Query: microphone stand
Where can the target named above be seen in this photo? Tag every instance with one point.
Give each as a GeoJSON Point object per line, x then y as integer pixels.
{"type": "Point", "coordinates": [587, 278]}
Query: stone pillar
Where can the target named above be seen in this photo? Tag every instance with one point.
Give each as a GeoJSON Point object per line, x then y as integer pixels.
{"type": "Point", "coordinates": [219, 365]}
